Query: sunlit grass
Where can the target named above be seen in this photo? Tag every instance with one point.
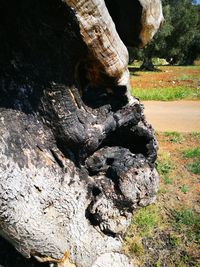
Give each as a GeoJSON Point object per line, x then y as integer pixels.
{"type": "Point", "coordinates": [174, 137]}
{"type": "Point", "coordinates": [195, 135]}
{"type": "Point", "coordinates": [166, 94]}
{"type": "Point", "coordinates": [145, 220]}
{"type": "Point", "coordinates": [185, 77]}
{"type": "Point", "coordinates": [189, 221]}
{"type": "Point", "coordinates": [192, 152]}
{"type": "Point", "coordinates": [194, 167]}
{"type": "Point", "coordinates": [168, 83]}
{"type": "Point", "coordinates": [164, 164]}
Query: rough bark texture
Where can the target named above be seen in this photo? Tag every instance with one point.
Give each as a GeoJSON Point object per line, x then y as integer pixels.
{"type": "Point", "coordinates": [76, 153]}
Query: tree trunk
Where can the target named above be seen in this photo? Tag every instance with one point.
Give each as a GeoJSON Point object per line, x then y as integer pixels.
{"type": "Point", "coordinates": [76, 153]}
{"type": "Point", "coordinates": [147, 64]}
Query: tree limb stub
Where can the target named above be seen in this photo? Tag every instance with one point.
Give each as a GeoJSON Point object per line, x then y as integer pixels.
{"type": "Point", "coordinates": [76, 152]}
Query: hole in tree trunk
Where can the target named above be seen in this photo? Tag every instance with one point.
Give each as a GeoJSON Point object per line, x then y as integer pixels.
{"type": "Point", "coordinates": [127, 138]}
{"type": "Point", "coordinates": [126, 15]}
{"type": "Point", "coordinates": [98, 93]}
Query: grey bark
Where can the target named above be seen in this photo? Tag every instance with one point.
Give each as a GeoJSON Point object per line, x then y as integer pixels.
{"type": "Point", "coordinates": [76, 153]}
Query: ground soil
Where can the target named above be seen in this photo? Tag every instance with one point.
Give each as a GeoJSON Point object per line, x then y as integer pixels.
{"type": "Point", "coordinates": [180, 116]}
{"type": "Point", "coordinates": [166, 77]}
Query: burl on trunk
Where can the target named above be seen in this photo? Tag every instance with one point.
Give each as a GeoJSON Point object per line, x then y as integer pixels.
{"type": "Point", "coordinates": [76, 153]}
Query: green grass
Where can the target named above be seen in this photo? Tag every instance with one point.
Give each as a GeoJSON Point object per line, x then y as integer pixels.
{"type": "Point", "coordinates": [164, 164]}
{"type": "Point", "coordinates": [145, 220]}
{"type": "Point", "coordinates": [194, 167]}
{"type": "Point", "coordinates": [195, 135]}
{"type": "Point", "coordinates": [174, 240]}
{"type": "Point", "coordinates": [192, 153]}
{"type": "Point", "coordinates": [184, 189]}
{"type": "Point", "coordinates": [190, 221]}
{"type": "Point", "coordinates": [158, 264]}
{"type": "Point", "coordinates": [142, 225]}
{"type": "Point", "coordinates": [166, 94]}
{"type": "Point", "coordinates": [174, 137]}
{"type": "Point", "coordinates": [185, 77]}
{"type": "Point", "coordinates": [184, 217]}
{"type": "Point", "coordinates": [167, 180]}
{"type": "Point", "coordinates": [164, 167]}
{"type": "Point", "coordinates": [192, 67]}
{"type": "Point", "coordinates": [134, 246]}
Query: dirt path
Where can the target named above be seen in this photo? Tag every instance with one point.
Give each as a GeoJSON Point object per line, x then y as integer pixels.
{"type": "Point", "coordinates": [180, 116]}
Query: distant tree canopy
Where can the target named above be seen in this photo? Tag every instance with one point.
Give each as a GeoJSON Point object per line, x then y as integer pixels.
{"type": "Point", "coordinates": [178, 41]}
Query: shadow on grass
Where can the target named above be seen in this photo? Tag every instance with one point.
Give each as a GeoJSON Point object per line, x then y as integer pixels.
{"type": "Point", "coordinates": [133, 70]}
{"type": "Point", "coordinates": [151, 70]}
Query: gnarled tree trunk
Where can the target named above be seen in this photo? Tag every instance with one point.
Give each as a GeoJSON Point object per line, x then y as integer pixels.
{"type": "Point", "coordinates": [76, 153]}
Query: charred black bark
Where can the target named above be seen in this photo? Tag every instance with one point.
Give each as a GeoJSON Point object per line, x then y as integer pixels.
{"type": "Point", "coordinates": [80, 153]}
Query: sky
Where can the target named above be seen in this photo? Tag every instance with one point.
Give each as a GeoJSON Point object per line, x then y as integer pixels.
{"type": "Point", "coordinates": [198, 1]}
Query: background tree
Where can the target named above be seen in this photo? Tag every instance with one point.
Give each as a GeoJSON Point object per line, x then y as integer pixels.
{"type": "Point", "coordinates": [184, 19]}
{"type": "Point", "coordinates": [193, 51]}
{"type": "Point", "coordinates": [158, 47]}
{"type": "Point", "coordinates": [179, 39]}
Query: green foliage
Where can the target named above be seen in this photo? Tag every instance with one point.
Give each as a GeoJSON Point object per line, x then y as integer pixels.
{"type": "Point", "coordinates": [178, 40]}
{"type": "Point", "coordinates": [166, 94]}
{"type": "Point", "coordinates": [174, 137]}
{"type": "Point", "coordinates": [194, 167]}
{"type": "Point", "coordinates": [192, 153]}
{"type": "Point", "coordinates": [184, 18]}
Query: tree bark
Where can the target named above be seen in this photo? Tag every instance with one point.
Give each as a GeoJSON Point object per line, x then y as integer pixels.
{"type": "Point", "coordinates": [76, 152]}
{"type": "Point", "coordinates": [147, 64]}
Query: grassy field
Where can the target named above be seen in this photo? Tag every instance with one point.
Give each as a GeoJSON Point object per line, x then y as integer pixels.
{"type": "Point", "coordinates": [168, 232]}
{"type": "Point", "coordinates": [167, 83]}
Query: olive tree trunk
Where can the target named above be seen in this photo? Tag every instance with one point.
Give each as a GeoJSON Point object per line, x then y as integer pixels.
{"type": "Point", "coordinates": [76, 152]}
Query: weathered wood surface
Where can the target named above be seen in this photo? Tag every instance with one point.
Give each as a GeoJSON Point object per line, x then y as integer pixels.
{"type": "Point", "coordinates": [76, 153]}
